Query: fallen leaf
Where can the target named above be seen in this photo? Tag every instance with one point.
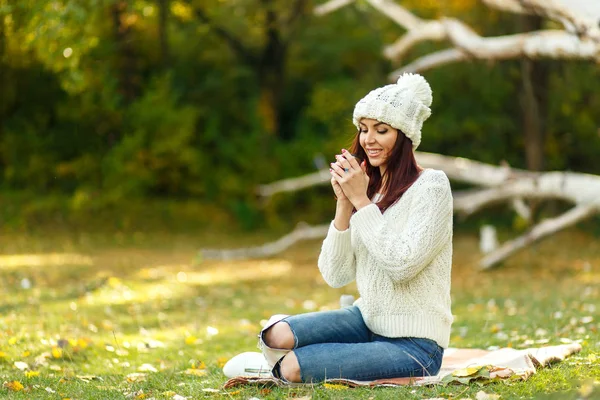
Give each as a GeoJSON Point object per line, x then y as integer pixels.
{"type": "Point", "coordinates": [57, 352]}
{"type": "Point", "coordinates": [21, 365]}
{"type": "Point", "coordinates": [464, 372]}
{"type": "Point", "coordinates": [198, 364]}
{"type": "Point", "coordinates": [221, 361]}
{"type": "Point", "coordinates": [147, 368]}
{"type": "Point", "coordinates": [89, 378]}
{"type": "Point", "coordinates": [195, 372]}
{"type": "Point", "coordinates": [136, 377]}
{"type": "Point", "coordinates": [191, 340]}
{"type": "Point", "coordinates": [481, 395]}
{"type": "Point", "coordinates": [15, 386]}
{"type": "Point", "coordinates": [334, 386]}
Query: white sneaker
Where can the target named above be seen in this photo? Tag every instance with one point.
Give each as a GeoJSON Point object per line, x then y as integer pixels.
{"type": "Point", "coordinates": [271, 355]}
{"type": "Point", "coordinates": [250, 363]}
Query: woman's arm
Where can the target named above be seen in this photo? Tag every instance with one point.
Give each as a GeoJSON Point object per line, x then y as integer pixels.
{"type": "Point", "coordinates": [336, 260]}
{"type": "Point", "coordinates": [403, 254]}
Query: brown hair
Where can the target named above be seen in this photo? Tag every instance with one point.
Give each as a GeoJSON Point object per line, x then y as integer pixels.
{"type": "Point", "coordinates": [401, 172]}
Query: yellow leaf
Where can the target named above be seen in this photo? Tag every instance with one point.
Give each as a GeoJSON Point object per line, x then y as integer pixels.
{"type": "Point", "coordinates": [333, 386]}
{"type": "Point", "coordinates": [464, 372]}
{"type": "Point", "coordinates": [12, 340]}
{"type": "Point", "coordinates": [136, 377]}
{"type": "Point", "coordinates": [31, 374]}
{"type": "Point", "coordinates": [195, 372]}
{"type": "Point", "coordinates": [114, 282]}
{"type": "Point", "coordinates": [57, 352]}
{"type": "Point", "coordinates": [234, 393]}
{"type": "Point", "coordinates": [190, 340]}
{"type": "Point", "coordinates": [15, 386]}
{"type": "Point", "coordinates": [221, 361]}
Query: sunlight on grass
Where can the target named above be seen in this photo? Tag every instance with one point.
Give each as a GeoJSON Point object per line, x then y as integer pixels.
{"type": "Point", "coordinates": [144, 323]}
{"type": "Point", "coordinates": [43, 260]}
{"type": "Point", "coordinates": [237, 272]}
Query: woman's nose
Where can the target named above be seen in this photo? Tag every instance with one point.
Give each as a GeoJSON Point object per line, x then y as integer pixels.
{"type": "Point", "coordinates": [370, 137]}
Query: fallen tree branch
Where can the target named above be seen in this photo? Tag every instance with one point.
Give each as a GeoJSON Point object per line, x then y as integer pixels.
{"type": "Point", "coordinates": [457, 168]}
{"type": "Point", "coordinates": [544, 228]}
{"type": "Point", "coordinates": [581, 40]}
{"type": "Point", "coordinates": [580, 18]}
{"type": "Point", "coordinates": [500, 184]}
{"type": "Point", "coordinates": [301, 232]}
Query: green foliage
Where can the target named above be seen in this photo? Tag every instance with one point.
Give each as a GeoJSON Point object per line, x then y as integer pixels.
{"type": "Point", "coordinates": [157, 153]}
{"type": "Point", "coordinates": [91, 108]}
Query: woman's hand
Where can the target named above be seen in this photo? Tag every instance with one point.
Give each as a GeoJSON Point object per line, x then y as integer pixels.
{"type": "Point", "coordinates": [337, 189]}
{"type": "Point", "coordinates": [351, 178]}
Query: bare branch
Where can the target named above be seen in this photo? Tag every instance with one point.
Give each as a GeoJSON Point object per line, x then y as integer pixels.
{"type": "Point", "coordinates": [545, 228]}
{"type": "Point", "coordinates": [302, 232]}
{"type": "Point", "coordinates": [582, 42]}
{"type": "Point", "coordinates": [331, 6]}
{"type": "Point", "coordinates": [575, 18]}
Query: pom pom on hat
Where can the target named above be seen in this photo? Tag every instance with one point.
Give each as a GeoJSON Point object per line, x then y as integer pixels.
{"type": "Point", "coordinates": [403, 105]}
{"type": "Point", "coordinates": [418, 86]}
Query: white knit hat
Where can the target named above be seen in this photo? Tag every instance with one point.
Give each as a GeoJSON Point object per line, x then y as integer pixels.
{"type": "Point", "coordinates": [403, 105]}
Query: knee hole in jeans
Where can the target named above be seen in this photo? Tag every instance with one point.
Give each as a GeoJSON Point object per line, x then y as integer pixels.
{"type": "Point", "coordinates": [279, 336]}
{"type": "Point", "coordinates": [289, 368]}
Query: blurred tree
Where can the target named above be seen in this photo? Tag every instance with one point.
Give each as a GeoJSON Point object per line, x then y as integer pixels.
{"type": "Point", "coordinates": [534, 100]}
{"type": "Point", "coordinates": [261, 44]}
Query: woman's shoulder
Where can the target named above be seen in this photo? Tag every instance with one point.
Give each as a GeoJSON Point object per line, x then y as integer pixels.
{"type": "Point", "coordinates": [435, 177]}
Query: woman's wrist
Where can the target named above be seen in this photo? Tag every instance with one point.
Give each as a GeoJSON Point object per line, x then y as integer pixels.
{"type": "Point", "coordinates": [362, 202]}
{"type": "Point", "coordinates": [343, 212]}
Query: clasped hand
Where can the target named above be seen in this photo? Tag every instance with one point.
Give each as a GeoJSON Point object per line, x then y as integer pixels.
{"type": "Point", "coordinates": [349, 179]}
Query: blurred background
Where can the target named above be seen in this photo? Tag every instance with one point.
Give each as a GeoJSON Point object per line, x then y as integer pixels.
{"type": "Point", "coordinates": [129, 115]}
{"type": "Point", "coordinates": [135, 132]}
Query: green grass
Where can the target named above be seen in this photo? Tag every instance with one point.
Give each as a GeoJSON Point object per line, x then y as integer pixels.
{"type": "Point", "coordinates": [101, 306]}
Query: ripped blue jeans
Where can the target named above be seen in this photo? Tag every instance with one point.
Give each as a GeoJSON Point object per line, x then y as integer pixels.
{"type": "Point", "coordinates": [338, 344]}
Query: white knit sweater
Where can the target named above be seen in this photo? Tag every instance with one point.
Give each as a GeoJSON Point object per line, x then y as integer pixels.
{"type": "Point", "coordinates": [401, 261]}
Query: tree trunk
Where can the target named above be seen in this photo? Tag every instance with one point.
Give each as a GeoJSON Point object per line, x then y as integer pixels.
{"type": "Point", "coordinates": [163, 15]}
{"type": "Point", "coordinates": [534, 79]}
{"type": "Point", "coordinates": [3, 79]}
{"type": "Point", "coordinates": [271, 73]}
{"type": "Point", "coordinates": [125, 57]}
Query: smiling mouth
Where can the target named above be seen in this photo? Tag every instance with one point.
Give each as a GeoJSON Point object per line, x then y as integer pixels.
{"type": "Point", "coordinates": [374, 153]}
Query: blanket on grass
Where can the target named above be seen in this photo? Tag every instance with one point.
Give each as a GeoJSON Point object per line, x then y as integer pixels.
{"type": "Point", "coordinates": [458, 365]}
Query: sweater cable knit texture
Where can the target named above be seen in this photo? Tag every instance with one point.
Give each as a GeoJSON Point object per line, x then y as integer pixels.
{"type": "Point", "coordinates": [401, 261]}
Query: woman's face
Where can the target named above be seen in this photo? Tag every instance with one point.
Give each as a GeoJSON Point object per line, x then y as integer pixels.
{"type": "Point", "coordinates": [378, 140]}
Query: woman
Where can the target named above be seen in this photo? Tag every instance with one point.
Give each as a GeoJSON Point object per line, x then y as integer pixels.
{"type": "Point", "coordinates": [392, 233]}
